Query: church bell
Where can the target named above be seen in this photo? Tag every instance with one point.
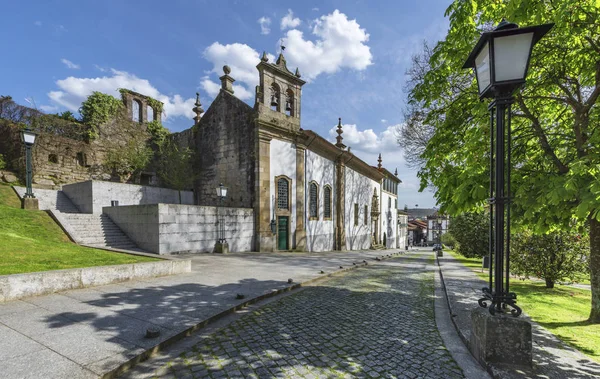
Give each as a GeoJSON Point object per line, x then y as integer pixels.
{"type": "Point", "coordinates": [274, 101]}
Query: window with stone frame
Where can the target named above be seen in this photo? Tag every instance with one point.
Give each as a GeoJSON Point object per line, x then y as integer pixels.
{"type": "Point", "coordinates": [283, 194]}
{"type": "Point", "coordinates": [389, 203]}
{"type": "Point", "coordinates": [355, 214]}
{"type": "Point", "coordinates": [313, 201]}
{"type": "Point", "coordinates": [327, 202]}
{"type": "Point", "coordinates": [136, 111]}
{"type": "Point", "coordinates": [366, 215]}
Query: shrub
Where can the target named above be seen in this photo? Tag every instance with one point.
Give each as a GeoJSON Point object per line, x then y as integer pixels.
{"type": "Point", "coordinates": [471, 231]}
{"type": "Point", "coordinates": [129, 159]}
{"type": "Point", "coordinates": [98, 109]}
{"type": "Point", "coordinates": [553, 257]}
{"type": "Point", "coordinates": [448, 240]}
{"type": "Point", "coordinates": [2, 162]}
{"type": "Point", "coordinates": [176, 166]}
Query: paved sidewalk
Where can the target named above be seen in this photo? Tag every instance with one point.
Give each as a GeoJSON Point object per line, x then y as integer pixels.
{"type": "Point", "coordinates": [551, 357]}
{"type": "Point", "coordinates": [86, 333]}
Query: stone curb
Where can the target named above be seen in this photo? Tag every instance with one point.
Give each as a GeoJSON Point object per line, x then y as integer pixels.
{"type": "Point", "coordinates": [189, 331]}
{"type": "Point", "coordinates": [18, 286]}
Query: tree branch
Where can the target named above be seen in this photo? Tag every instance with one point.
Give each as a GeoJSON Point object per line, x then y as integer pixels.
{"type": "Point", "coordinates": [539, 132]}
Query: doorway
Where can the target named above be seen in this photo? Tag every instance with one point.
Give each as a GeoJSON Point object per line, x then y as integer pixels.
{"type": "Point", "coordinates": [282, 233]}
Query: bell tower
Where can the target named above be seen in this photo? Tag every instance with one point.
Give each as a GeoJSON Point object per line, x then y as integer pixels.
{"type": "Point", "coordinates": [279, 93]}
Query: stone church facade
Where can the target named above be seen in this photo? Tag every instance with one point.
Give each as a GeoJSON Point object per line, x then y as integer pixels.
{"type": "Point", "coordinates": [317, 195]}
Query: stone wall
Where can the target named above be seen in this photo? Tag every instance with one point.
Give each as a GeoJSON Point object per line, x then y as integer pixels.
{"type": "Point", "coordinates": [320, 233]}
{"type": "Point", "coordinates": [92, 196]}
{"type": "Point", "coordinates": [358, 189]}
{"type": "Point", "coordinates": [174, 228]}
{"type": "Point", "coordinates": [225, 143]}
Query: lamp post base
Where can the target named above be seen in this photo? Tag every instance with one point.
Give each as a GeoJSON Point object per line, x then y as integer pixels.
{"type": "Point", "coordinates": [221, 248]}
{"type": "Point", "coordinates": [500, 339]}
{"type": "Point", "coordinates": [30, 203]}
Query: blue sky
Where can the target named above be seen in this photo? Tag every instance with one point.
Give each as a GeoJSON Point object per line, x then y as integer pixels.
{"type": "Point", "coordinates": [353, 54]}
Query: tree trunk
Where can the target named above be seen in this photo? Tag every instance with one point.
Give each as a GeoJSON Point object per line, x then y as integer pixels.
{"type": "Point", "coordinates": [595, 269]}
{"type": "Point", "coordinates": [549, 283]}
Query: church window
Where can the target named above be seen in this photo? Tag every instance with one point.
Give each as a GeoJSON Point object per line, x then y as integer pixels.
{"type": "Point", "coordinates": [136, 111]}
{"type": "Point", "coordinates": [275, 97]}
{"type": "Point", "coordinates": [389, 202]}
{"type": "Point", "coordinates": [283, 194]}
{"type": "Point", "coordinates": [327, 202]}
{"type": "Point", "coordinates": [314, 201]}
{"type": "Point", "coordinates": [366, 215]}
{"type": "Point", "coordinates": [355, 214]}
{"type": "Point", "coordinates": [150, 113]}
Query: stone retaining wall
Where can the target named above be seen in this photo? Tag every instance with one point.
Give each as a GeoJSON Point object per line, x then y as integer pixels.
{"type": "Point", "coordinates": [174, 228]}
{"type": "Point", "coordinates": [13, 287]}
{"type": "Point", "coordinates": [91, 196]}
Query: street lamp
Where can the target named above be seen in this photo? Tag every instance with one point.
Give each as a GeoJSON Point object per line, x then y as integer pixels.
{"type": "Point", "coordinates": [221, 245]}
{"type": "Point", "coordinates": [28, 137]}
{"type": "Point", "coordinates": [501, 60]}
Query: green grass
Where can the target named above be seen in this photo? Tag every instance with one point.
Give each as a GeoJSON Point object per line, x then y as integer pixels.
{"type": "Point", "coordinates": [563, 310]}
{"type": "Point", "coordinates": [31, 241]}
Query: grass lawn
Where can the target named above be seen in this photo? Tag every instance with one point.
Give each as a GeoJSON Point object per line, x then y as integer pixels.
{"type": "Point", "coordinates": [563, 310]}
{"type": "Point", "coordinates": [31, 241]}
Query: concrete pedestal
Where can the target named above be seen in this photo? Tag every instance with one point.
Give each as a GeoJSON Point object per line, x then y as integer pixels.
{"type": "Point", "coordinates": [221, 248]}
{"type": "Point", "coordinates": [30, 203]}
{"type": "Point", "coordinates": [500, 338]}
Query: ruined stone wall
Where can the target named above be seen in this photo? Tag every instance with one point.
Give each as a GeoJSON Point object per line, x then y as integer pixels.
{"type": "Point", "coordinates": [225, 141]}
{"type": "Point", "coordinates": [184, 138]}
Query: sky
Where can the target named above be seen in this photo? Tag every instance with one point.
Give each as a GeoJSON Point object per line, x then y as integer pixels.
{"type": "Point", "coordinates": [353, 55]}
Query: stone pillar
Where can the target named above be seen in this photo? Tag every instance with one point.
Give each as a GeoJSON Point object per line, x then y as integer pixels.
{"type": "Point", "coordinates": [265, 240]}
{"type": "Point", "coordinates": [500, 339]}
{"type": "Point", "coordinates": [340, 205]}
{"type": "Point", "coordinates": [300, 199]}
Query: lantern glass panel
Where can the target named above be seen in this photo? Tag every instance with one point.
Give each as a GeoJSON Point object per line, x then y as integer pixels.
{"type": "Point", "coordinates": [29, 138]}
{"type": "Point", "coordinates": [511, 54]}
{"type": "Point", "coordinates": [224, 191]}
{"type": "Point", "coordinates": [482, 68]}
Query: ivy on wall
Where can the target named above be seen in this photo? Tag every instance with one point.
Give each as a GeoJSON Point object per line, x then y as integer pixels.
{"type": "Point", "coordinates": [98, 109]}
{"type": "Point", "coordinates": [158, 133]}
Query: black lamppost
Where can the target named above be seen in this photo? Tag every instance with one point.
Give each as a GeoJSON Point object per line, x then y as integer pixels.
{"type": "Point", "coordinates": [28, 137]}
{"type": "Point", "coordinates": [501, 60]}
{"type": "Point", "coordinates": [221, 245]}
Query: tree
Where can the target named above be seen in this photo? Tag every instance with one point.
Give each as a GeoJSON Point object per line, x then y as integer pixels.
{"type": "Point", "coordinates": [129, 159]}
{"type": "Point", "coordinates": [556, 120]}
{"type": "Point", "coordinates": [448, 240]}
{"type": "Point", "coordinates": [67, 116]}
{"type": "Point", "coordinates": [553, 257]}
{"type": "Point", "coordinates": [471, 234]}
{"type": "Point", "coordinates": [176, 167]}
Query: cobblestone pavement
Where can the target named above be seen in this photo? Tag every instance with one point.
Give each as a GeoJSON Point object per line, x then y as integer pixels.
{"type": "Point", "coordinates": [374, 322]}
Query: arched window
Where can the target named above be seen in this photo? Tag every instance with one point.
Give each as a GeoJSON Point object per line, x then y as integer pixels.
{"type": "Point", "coordinates": [283, 194]}
{"type": "Point", "coordinates": [136, 111]}
{"type": "Point", "coordinates": [327, 202]}
{"type": "Point", "coordinates": [289, 102]}
{"type": "Point", "coordinates": [150, 114]}
{"type": "Point", "coordinates": [275, 97]}
{"type": "Point", "coordinates": [314, 201]}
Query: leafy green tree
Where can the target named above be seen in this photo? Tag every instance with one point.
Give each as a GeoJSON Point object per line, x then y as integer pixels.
{"type": "Point", "coordinates": [176, 168]}
{"type": "Point", "coordinates": [556, 120]}
{"type": "Point", "coordinates": [470, 231]}
{"type": "Point", "coordinates": [67, 116]}
{"type": "Point", "coordinates": [554, 257]}
{"type": "Point", "coordinates": [448, 240]}
{"type": "Point", "coordinates": [130, 159]}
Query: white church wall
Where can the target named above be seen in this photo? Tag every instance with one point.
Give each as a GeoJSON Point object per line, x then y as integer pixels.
{"type": "Point", "coordinates": [389, 220]}
{"type": "Point", "coordinates": [283, 162]}
{"type": "Point", "coordinates": [319, 233]}
{"type": "Point", "coordinates": [358, 190]}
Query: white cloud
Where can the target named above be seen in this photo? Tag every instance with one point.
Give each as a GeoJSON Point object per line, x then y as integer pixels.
{"type": "Point", "coordinates": [48, 108]}
{"type": "Point", "coordinates": [383, 121]}
{"type": "Point", "coordinates": [367, 140]}
{"type": "Point", "coordinates": [101, 69]}
{"type": "Point", "coordinates": [264, 25]}
{"type": "Point", "coordinates": [70, 64]}
{"type": "Point", "coordinates": [341, 43]}
{"type": "Point", "coordinates": [72, 91]}
{"type": "Point", "coordinates": [37, 23]}
{"type": "Point", "coordinates": [315, 9]}
{"type": "Point", "coordinates": [242, 59]}
{"type": "Point", "coordinates": [289, 22]}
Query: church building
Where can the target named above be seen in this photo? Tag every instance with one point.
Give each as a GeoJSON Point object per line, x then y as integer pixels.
{"type": "Point", "coordinates": [306, 193]}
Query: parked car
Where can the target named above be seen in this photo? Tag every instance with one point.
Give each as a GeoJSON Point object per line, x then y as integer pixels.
{"type": "Point", "coordinates": [437, 247]}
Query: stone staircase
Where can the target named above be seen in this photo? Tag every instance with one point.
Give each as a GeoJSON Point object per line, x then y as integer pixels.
{"type": "Point", "coordinates": [96, 230]}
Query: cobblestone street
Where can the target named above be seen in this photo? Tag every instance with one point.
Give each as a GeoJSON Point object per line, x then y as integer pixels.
{"type": "Point", "coordinates": [373, 322]}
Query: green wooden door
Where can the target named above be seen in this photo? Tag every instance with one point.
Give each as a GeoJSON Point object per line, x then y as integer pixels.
{"type": "Point", "coordinates": [282, 233]}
